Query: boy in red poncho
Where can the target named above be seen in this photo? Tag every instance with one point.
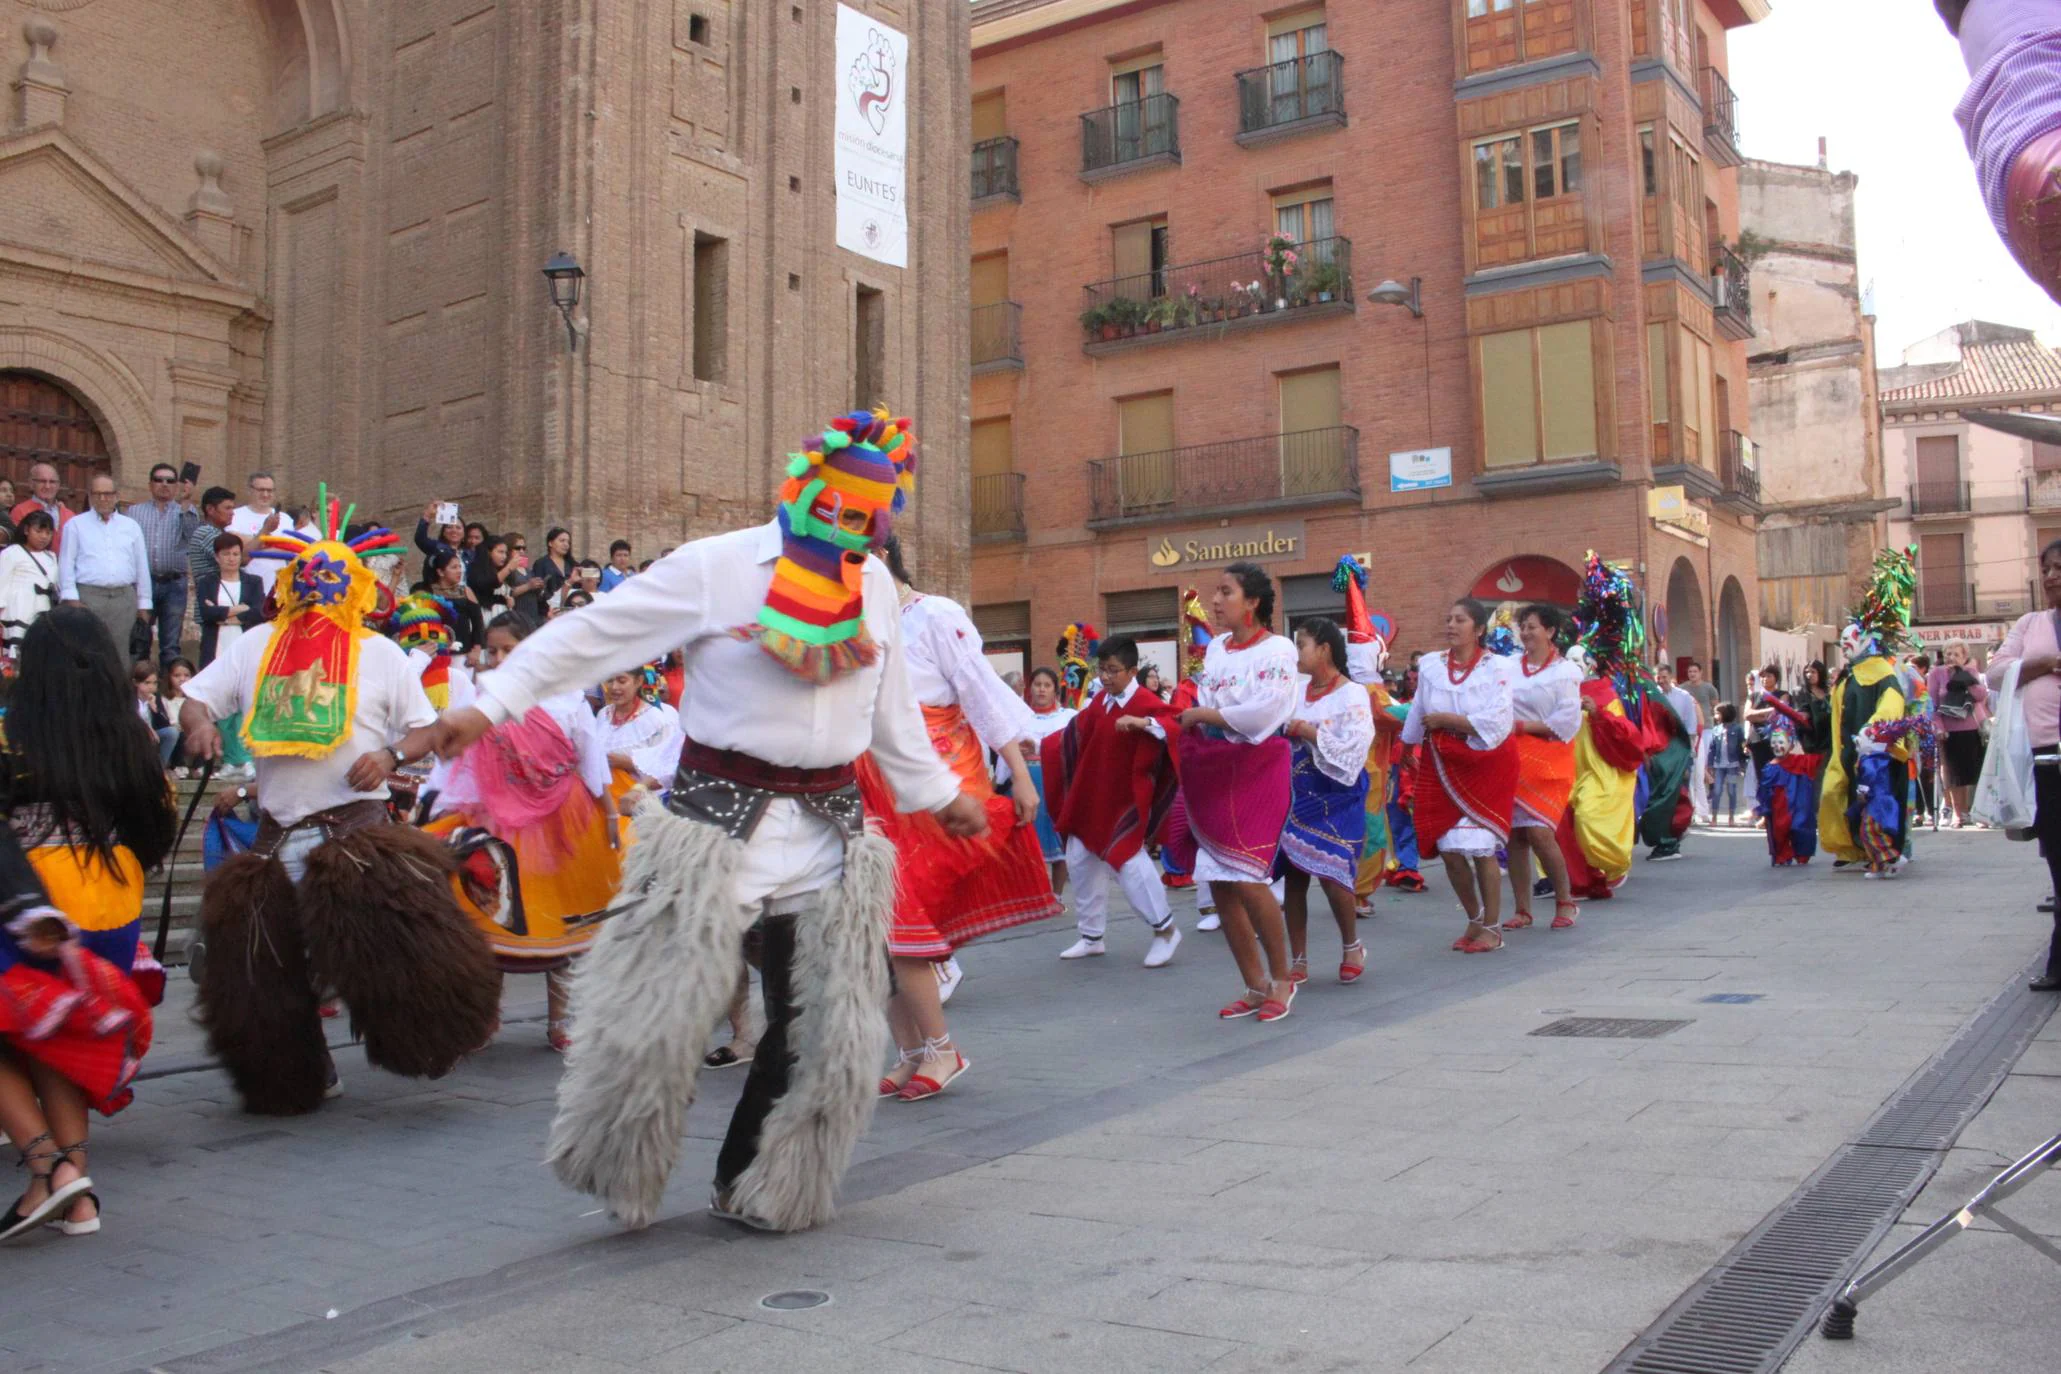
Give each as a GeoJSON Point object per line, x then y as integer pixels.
{"type": "Point", "coordinates": [1109, 780]}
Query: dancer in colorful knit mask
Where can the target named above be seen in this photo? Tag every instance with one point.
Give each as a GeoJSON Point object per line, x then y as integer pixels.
{"type": "Point", "coordinates": [792, 670]}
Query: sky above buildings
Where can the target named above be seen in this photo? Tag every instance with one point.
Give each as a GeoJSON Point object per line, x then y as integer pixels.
{"type": "Point", "coordinates": [1879, 79]}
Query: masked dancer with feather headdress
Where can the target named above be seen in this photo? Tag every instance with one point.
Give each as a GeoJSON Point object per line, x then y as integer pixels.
{"type": "Point", "coordinates": [1864, 809]}
{"type": "Point", "coordinates": [1596, 831]}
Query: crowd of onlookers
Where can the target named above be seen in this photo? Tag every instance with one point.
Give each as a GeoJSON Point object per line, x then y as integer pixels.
{"type": "Point", "coordinates": [173, 580]}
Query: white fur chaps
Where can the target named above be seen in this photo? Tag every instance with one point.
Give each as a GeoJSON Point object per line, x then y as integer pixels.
{"type": "Point", "coordinates": [645, 1003]}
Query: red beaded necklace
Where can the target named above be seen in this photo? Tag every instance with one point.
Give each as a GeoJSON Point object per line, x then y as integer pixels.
{"type": "Point", "coordinates": [1551, 658]}
{"type": "Point", "coordinates": [1259, 632]}
{"type": "Point", "coordinates": [1457, 678]}
{"type": "Point", "coordinates": [1312, 694]}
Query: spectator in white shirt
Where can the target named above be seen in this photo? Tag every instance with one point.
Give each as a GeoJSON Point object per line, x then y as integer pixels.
{"type": "Point", "coordinates": [258, 518]}
{"type": "Point", "coordinates": [104, 566]}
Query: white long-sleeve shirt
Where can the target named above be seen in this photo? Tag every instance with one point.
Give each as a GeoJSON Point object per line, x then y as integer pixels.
{"type": "Point", "coordinates": [651, 738]}
{"type": "Point", "coordinates": [1254, 688]}
{"type": "Point", "coordinates": [1344, 717]}
{"type": "Point", "coordinates": [1552, 696]}
{"type": "Point", "coordinates": [735, 695]}
{"type": "Point", "coordinates": [104, 553]}
{"type": "Point", "coordinates": [574, 717]}
{"type": "Point", "coordinates": [1483, 696]}
{"type": "Point", "coordinates": [948, 668]}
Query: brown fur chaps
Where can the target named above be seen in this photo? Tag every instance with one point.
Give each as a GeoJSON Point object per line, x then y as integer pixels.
{"type": "Point", "coordinates": [257, 997]}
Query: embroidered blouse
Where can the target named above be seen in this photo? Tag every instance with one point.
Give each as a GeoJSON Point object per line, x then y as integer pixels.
{"type": "Point", "coordinates": [651, 738]}
{"type": "Point", "coordinates": [947, 668]}
{"type": "Point", "coordinates": [570, 710]}
{"type": "Point", "coordinates": [1483, 696]}
{"type": "Point", "coordinates": [1344, 717]}
{"type": "Point", "coordinates": [1552, 696]}
{"type": "Point", "coordinates": [1255, 688]}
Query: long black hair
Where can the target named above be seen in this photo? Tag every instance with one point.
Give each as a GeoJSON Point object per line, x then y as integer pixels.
{"type": "Point", "coordinates": [1477, 613]}
{"type": "Point", "coordinates": [1324, 630]}
{"type": "Point", "coordinates": [891, 554]}
{"type": "Point", "coordinates": [76, 746]}
{"type": "Point", "coordinates": [1254, 583]}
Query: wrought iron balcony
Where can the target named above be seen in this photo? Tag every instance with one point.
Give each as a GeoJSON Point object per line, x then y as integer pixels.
{"type": "Point", "coordinates": [1720, 119]}
{"type": "Point", "coordinates": [1130, 136]}
{"type": "Point", "coordinates": [1310, 467]}
{"type": "Point", "coordinates": [1291, 97]}
{"type": "Point", "coordinates": [1731, 292]}
{"type": "Point", "coordinates": [1929, 499]}
{"type": "Point", "coordinates": [998, 506]}
{"type": "Point", "coordinates": [1739, 470]}
{"type": "Point", "coordinates": [997, 336]}
{"type": "Point", "coordinates": [1944, 600]}
{"type": "Point", "coordinates": [1191, 299]}
{"type": "Point", "coordinates": [994, 170]}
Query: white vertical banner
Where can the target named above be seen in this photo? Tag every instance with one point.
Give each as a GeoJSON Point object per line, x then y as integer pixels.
{"type": "Point", "coordinates": [872, 163]}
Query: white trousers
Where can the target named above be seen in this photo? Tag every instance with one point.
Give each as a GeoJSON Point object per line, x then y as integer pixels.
{"type": "Point", "coordinates": [1089, 877]}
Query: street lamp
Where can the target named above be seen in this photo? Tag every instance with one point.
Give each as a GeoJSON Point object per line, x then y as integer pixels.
{"type": "Point", "coordinates": [1393, 292]}
{"type": "Point", "coordinates": [564, 276]}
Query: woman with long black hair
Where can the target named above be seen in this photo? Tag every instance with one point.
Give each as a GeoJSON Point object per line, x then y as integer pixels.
{"type": "Point", "coordinates": [487, 575]}
{"type": "Point", "coordinates": [88, 814]}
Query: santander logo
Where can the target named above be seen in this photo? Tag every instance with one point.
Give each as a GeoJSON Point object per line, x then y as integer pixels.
{"type": "Point", "coordinates": [1510, 584]}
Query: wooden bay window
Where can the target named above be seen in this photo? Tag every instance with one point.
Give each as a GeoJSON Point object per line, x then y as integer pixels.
{"type": "Point", "coordinates": [1528, 195]}
{"type": "Point", "coordinates": [1538, 394]}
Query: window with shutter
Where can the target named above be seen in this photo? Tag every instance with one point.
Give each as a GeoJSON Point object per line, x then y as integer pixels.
{"type": "Point", "coordinates": [1003, 620]}
{"type": "Point", "coordinates": [1312, 442]}
{"type": "Point", "coordinates": [1657, 389]}
{"type": "Point", "coordinates": [1538, 394]}
{"type": "Point", "coordinates": [1567, 391]}
{"type": "Point", "coordinates": [1528, 195]}
{"type": "Point", "coordinates": [1145, 429]}
{"type": "Point", "coordinates": [1149, 610]}
{"type": "Point", "coordinates": [1509, 400]}
{"type": "Point", "coordinates": [990, 117]}
{"type": "Point", "coordinates": [994, 447]}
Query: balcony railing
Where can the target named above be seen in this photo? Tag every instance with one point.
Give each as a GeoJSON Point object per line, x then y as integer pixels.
{"type": "Point", "coordinates": [1245, 288]}
{"type": "Point", "coordinates": [1731, 291]}
{"type": "Point", "coordinates": [1309, 466]}
{"type": "Point", "coordinates": [1133, 133]}
{"type": "Point", "coordinates": [1286, 97]}
{"type": "Point", "coordinates": [1945, 600]}
{"type": "Point", "coordinates": [994, 170]}
{"type": "Point", "coordinates": [1937, 498]}
{"type": "Point", "coordinates": [1738, 468]}
{"type": "Point", "coordinates": [997, 336]}
{"type": "Point", "coordinates": [1720, 119]}
{"type": "Point", "coordinates": [998, 506]}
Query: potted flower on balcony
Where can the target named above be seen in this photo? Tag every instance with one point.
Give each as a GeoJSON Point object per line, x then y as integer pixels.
{"type": "Point", "coordinates": [1321, 283]}
{"type": "Point", "coordinates": [1097, 322]}
{"type": "Point", "coordinates": [1280, 257]}
{"type": "Point", "coordinates": [1127, 314]}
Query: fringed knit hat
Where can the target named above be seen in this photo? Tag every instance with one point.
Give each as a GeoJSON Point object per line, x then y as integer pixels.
{"type": "Point", "coordinates": [839, 501]}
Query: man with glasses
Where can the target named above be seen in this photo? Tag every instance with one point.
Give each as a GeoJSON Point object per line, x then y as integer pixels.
{"type": "Point", "coordinates": [257, 519]}
{"type": "Point", "coordinates": [104, 566]}
{"type": "Point", "coordinates": [43, 497]}
{"type": "Point", "coordinates": [527, 596]}
{"type": "Point", "coordinates": [167, 523]}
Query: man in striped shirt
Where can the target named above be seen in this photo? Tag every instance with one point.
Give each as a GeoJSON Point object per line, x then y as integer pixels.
{"type": "Point", "coordinates": [167, 525]}
{"type": "Point", "coordinates": [2011, 116]}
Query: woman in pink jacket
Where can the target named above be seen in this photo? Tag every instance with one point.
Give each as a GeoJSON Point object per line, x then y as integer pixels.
{"type": "Point", "coordinates": [2035, 646]}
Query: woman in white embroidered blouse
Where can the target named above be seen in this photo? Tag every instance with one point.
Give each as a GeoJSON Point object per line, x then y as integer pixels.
{"type": "Point", "coordinates": [1546, 713]}
{"type": "Point", "coordinates": [1467, 783]}
{"type": "Point", "coordinates": [1333, 728]}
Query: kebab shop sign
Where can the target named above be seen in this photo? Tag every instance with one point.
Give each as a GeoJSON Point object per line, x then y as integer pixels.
{"type": "Point", "coordinates": [1214, 548]}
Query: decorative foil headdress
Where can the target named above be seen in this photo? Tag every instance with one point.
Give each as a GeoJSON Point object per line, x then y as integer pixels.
{"type": "Point", "coordinates": [1612, 632]}
{"type": "Point", "coordinates": [839, 501]}
{"type": "Point", "coordinates": [1076, 662]}
{"type": "Point", "coordinates": [1367, 633]}
{"type": "Point", "coordinates": [429, 623]}
{"type": "Point", "coordinates": [1194, 633]}
{"type": "Point", "coordinates": [1502, 631]}
{"type": "Point", "coordinates": [1883, 622]}
{"type": "Point", "coordinates": [307, 689]}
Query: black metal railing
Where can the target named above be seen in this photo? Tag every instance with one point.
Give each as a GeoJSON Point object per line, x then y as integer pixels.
{"type": "Point", "coordinates": [1731, 291]}
{"type": "Point", "coordinates": [1266, 470]}
{"type": "Point", "coordinates": [1308, 87]}
{"type": "Point", "coordinates": [997, 334]}
{"type": "Point", "coordinates": [998, 506]}
{"type": "Point", "coordinates": [1720, 118]}
{"type": "Point", "coordinates": [1938, 498]}
{"type": "Point", "coordinates": [1190, 295]}
{"type": "Point", "coordinates": [994, 168]}
{"type": "Point", "coordinates": [1739, 465]}
{"type": "Point", "coordinates": [1131, 132]}
{"type": "Point", "coordinates": [1945, 600]}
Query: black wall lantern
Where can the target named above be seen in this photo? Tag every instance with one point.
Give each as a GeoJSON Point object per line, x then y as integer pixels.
{"type": "Point", "coordinates": [565, 277]}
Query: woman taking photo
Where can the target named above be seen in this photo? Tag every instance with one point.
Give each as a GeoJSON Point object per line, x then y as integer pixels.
{"type": "Point", "coordinates": [1235, 788]}
{"type": "Point", "coordinates": [1332, 730]}
{"type": "Point", "coordinates": [487, 576]}
{"type": "Point", "coordinates": [88, 813]}
{"type": "Point", "coordinates": [1960, 707]}
{"type": "Point", "coordinates": [1467, 781]}
{"type": "Point", "coordinates": [1546, 714]}
{"type": "Point", "coordinates": [446, 580]}
{"type": "Point", "coordinates": [2035, 647]}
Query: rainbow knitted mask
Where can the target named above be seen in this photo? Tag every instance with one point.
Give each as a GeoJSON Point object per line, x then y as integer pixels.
{"type": "Point", "coordinates": [307, 687]}
{"type": "Point", "coordinates": [426, 622]}
{"type": "Point", "coordinates": [838, 502]}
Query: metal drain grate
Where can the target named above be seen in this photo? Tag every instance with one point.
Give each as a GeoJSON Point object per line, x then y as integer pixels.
{"type": "Point", "coordinates": [1749, 1312]}
{"type": "Point", "coordinates": [1609, 1028]}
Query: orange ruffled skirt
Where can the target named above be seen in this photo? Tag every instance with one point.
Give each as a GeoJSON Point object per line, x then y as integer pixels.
{"type": "Point", "coordinates": [568, 878]}
{"type": "Point", "coordinates": [951, 891]}
{"type": "Point", "coordinates": [1545, 780]}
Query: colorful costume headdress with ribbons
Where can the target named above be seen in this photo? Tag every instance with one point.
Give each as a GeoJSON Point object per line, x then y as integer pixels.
{"type": "Point", "coordinates": [1502, 631]}
{"type": "Point", "coordinates": [307, 688]}
{"type": "Point", "coordinates": [1882, 624]}
{"type": "Point", "coordinates": [1194, 633]}
{"type": "Point", "coordinates": [1076, 662]}
{"type": "Point", "coordinates": [1613, 635]}
{"type": "Point", "coordinates": [430, 623]}
{"type": "Point", "coordinates": [839, 501]}
{"type": "Point", "coordinates": [1367, 633]}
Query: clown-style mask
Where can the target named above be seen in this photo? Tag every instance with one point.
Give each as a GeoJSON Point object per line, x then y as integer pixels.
{"type": "Point", "coordinates": [1856, 643]}
{"type": "Point", "coordinates": [847, 490]}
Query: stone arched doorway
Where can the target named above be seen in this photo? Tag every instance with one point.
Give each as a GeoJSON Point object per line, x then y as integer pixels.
{"type": "Point", "coordinates": [1688, 632]}
{"type": "Point", "coordinates": [1736, 652]}
{"type": "Point", "coordinates": [42, 421]}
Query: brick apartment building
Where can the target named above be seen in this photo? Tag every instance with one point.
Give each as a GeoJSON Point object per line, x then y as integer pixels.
{"type": "Point", "coordinates": [308, 234]}
{"type": "Point", "coordinates": [1154, 391]}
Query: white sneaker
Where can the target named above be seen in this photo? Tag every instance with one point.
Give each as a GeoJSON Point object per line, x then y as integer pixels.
{"type": "Point", "coordinates": [949, 976]}
{"type": "Point", "coordinates": [1209, 920]}
{"type": "Point", "coordinates": [1163, 946]}
{"type": "Point", "coordinates": [1083, 948]}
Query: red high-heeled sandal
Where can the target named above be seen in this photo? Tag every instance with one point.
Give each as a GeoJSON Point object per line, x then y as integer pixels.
{"type": "Point", "coordinates": [1564, 914]}
{"type": "Point", "coordinates": [1351, 973]}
